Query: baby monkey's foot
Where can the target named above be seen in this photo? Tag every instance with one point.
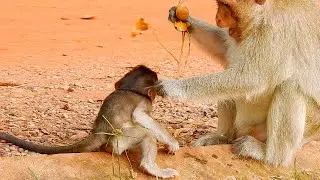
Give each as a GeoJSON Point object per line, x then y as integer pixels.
{"type": "Point", "coordinates": [161, 173]}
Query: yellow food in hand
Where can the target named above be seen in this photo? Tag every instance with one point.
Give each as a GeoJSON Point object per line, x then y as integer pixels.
{"type": "Point", "coordinates": [181, 26]}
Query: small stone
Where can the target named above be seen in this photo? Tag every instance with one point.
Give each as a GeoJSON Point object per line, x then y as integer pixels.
{"type": "Point", "coordinates": [214, 156]}
{"type": "Point", "coordinates": [21, 150]}
{"type": "Point", "coordinates": [33, 133]}
{"type": "Point", "coordinates": [90, 101]}
{"type": "Point", "coordinates": [70, 89]}
{"type": "Point", "coordinates": [61, 135]}
{"type": "Point", "coordinates": [42, 109]}
{"type": "Point", "coordinates": [64, 115]}
{"type": "Point", "coordinates": [16, 131]}
{"type": "Point", "coordinates": [66, 107]}
{"type": "Point", "coordinates": [12, 148]}
{"type": "Point", "coordinates": [44, 131]}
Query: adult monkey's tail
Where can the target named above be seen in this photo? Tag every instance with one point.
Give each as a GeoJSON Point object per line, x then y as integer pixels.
{"type": "Point", "coordinates": [90, 143]}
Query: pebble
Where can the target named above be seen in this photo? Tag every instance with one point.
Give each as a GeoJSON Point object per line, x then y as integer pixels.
{"type": "Point", "coordinates": [65, 115]}
{"type": "Point", "coordinates": [70, 89]}
{"type": "Point", "coordinates": [61, 135]}
{"type": "Point", "coordinates": [90, 101]}
{"type": "Point", "coordinates": [12, 148]}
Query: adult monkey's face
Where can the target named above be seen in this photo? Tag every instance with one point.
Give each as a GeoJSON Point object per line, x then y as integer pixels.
{"type": "Point", "coordinates": [227, 16]}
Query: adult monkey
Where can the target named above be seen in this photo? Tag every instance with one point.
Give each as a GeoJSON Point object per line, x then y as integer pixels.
{"type": "Point", "coordinates": [271, 50]}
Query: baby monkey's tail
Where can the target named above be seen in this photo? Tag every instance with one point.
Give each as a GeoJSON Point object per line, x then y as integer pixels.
{"type": "Point", "coordinates": [90, 143]}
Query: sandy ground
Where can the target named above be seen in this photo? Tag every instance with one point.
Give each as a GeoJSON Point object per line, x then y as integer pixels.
{"type": "Point", "coordinates": [47, 49]}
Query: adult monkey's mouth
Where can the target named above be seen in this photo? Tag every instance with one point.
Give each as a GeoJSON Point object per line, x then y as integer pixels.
{"type": "Point", "coordinates": [233, 32]}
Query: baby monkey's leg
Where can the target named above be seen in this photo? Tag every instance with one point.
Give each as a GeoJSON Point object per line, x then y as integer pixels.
{"type": "Point", "coordinates": [159, 132]}
{"type": "Point", "coordinates": [149, 153]}
{"type": "Point", "coordinates": [140, 137]}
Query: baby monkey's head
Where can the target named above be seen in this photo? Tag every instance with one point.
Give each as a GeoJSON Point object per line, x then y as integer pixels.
{"type": "Point", "coordinates": [140, 79]}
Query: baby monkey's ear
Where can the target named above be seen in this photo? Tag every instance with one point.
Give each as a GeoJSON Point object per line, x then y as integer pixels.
{"type": "Point", "coordinates": [117, 84]}
{"type": "Point", "coordinates": [152, 93]}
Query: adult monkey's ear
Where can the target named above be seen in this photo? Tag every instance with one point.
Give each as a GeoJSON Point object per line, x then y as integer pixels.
{"type": "Point", "coordinates": [260, 2]}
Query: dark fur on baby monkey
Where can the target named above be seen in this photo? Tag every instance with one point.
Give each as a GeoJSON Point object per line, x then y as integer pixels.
{"type": "Point", "coordinates": [126, 109]}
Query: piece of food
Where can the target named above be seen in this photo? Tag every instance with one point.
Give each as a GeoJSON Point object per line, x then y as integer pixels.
{"type": "Point", "coordinates": [182, 13]}
{"type": "Point", "coordinates": [181, 26]}
{"type": "Point", "coordinates": [142, 25]}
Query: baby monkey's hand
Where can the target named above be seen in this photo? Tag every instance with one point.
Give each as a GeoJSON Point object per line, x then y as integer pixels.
{"type": "Point", "coordinates": [173, 146]}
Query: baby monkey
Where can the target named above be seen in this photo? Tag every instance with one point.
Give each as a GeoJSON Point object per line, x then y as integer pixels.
{"type": "Point", "coordinates": [126, 111]}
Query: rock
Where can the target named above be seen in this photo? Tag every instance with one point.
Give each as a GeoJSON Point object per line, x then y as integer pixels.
{"type": "Point", "coordinates": [90, 101]}
{"type": "Point", "coordinates": [6, 149]}
{"type": "Point", "coordinates": [12, 148]}
{"type": "Point", "coordinates": [66, 107]}
{"type": "Point", "coordinates": [44, 131]}
{"type": "Point", "coordinates": [64, 115]}
{"type": "Point", "coordinates": [21, 150]}
{"type": "Point", "coordinates": [70, 89]}
{"type": "Point", "coordinates": [61, 135]}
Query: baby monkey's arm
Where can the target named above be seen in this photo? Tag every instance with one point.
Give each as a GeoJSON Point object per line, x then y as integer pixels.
{"type": "Point", "coordinates": [144, 119]}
